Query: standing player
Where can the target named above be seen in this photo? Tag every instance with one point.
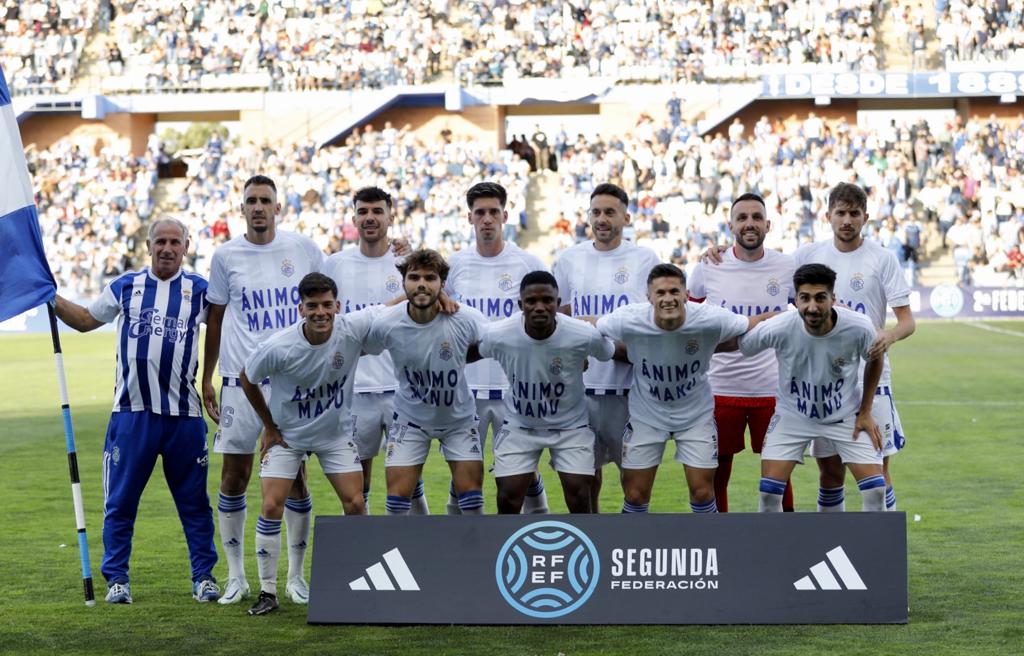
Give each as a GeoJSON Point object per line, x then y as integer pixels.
{"type": "Point", "coordinates": [487, 278]}
{"type": "Point", "coordinates": [545, 407]}
{"type": "Point", "coordinates": [366, 276]}
{"type": "Point", "coordinates": [317, 355]}
{"type": "Point", "coordinates": [868, 277]}
{"type": "Point", "coordinates": [670, 343]}
{"type": "Point", "coordinates": [157, 411]}
{"type": "Point", "coordinates": [429, 353]}
{"type": "Point", "coordinates": [595, 277]}
{"type": "Point", "coordinates": [253, 294]}
{"type": "Point", "coordinates": [750, 280]}
{"type": "Point", "coordinates": [820, 349]}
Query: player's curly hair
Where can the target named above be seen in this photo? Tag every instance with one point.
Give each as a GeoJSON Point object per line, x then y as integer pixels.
{"type": "Point", "coordinates": [848, 194]}
{"type": "Point", "coordinates": [371, 195]}
{"type": "Point", "coordinates": [424, 259]}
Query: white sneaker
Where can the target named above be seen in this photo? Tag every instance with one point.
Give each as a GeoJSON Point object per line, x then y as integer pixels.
{"type": "Point", "coordinates": [297, 590]}
{"type": "Point", "coordinates": [119, 593]}
{"type": "Point", "coordinates": [235, 591]}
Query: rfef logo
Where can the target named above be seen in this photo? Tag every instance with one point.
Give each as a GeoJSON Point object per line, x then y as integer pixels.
{"type": "Point", "coordinates": [547, 569]}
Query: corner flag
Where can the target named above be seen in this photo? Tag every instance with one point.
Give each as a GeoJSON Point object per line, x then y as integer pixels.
{"type": "Point", "coordinates": [25, 278]}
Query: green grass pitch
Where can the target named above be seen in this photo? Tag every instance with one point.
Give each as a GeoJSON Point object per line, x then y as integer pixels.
{"type": "Point", "coordinates": [960, 390]}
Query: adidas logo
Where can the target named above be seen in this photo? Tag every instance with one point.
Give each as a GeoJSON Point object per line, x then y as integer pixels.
{"type": "Point", "coordinates": [822, 574]}
{"type": "Point", "coordinates": [233, 542]}
{"type": "Point", "coordinates": [378, 575]}
{"type": "Point", "coordinates": [262, 553]}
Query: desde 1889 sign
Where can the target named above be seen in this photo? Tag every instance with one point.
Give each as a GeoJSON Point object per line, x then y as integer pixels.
{"type": "Point", "coordinates": [893, 85]}
{"type": "Point", "coordinates": [741, 568]}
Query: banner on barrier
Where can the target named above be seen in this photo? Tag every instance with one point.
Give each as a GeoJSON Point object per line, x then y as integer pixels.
{"type": "Point", "coordinates": [953, 302]}
{"type": "Point", "coordinates": [737, 568]}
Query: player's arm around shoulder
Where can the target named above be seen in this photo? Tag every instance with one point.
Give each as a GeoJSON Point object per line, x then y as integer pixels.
{"type": "Point", "coordinates": [764, 334]}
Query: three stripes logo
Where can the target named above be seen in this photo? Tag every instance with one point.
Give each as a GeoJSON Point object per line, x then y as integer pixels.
{"type": "Point", "coordinates": [378, 578]}
{"type": "Point", "coordinates": [823, 575]}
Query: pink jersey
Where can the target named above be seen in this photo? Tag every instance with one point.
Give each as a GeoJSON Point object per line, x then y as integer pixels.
{"type": "Point", "coordinates": [748, 289]}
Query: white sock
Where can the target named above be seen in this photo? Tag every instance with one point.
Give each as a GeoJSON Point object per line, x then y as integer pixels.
{"type": "Point", "coordinates": [536, 500]}
{"type": "Point", "coordinates": [397, 505]}
{"type": "Point", "coordinates": [452, 507]}
{"type": "Point", "coordinates": [832, 499]}
{"type": "Point", "coordinates": [231, 519]}
{"type": "Point", "coordinates": [419, 501]}
{"type": "Point", "coordinates": [872, 492]}
{"type": "Point", "coordinates": [297, 518]}
{"type": "Point", "coordinates": [268, 550]}
{"type": "Point", "coordinates": [771, 495]}
{"type": "Point", "coordinates": [472, 502]}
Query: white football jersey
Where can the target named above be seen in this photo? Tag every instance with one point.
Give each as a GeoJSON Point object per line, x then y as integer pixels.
{"type": "Point", "coordinates": [545, 376]}
{"type": "Point", "coordinates": [867, 280]}
{"type": "Point", "coordinates": [594, 283]}
{"type": "Point", "coordinates": [819, 377]}
{"type": "Point", "coordinates": [746, 288]}
{"type": "Point", "coordinates": [311, 386]}
{"type": "Point", "coordinates": [429, 362]}
{"type": "Point", "coordinates": [363, 282]}
{"type": "Point", "coordinates": [491, 285]}
{"type": "Point", "coordinates": [259, 284]}
{"type": "Point", "coordinates": [670, 390]}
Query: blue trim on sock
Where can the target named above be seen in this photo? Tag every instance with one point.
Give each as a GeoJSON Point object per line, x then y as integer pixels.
{"type": "Point", "coordinates": [397, 504]}
{"type": "Point", "coordinates": [226, 503]}
{"type": "Point", "coordinates": [628, 507]}
{"type": "Point", "coordinates": [471, 500]}
{"type": "Point", "coordinates": [266, 526]}
{"type": "Point", "coordinates": [418, 492]}
{"type": "Point", "coordinates": [772, 486]}
{"type": "Point", "coordinates": [890, 497]}
{"type": "Point", "coordinates": [871, 482]}
{"type": "Point", "coordinates": [535, 489]}
{"type": "Point", "coordinates": [299, 505]}
{"type": "Point", "coordinates": [831, 496]}
{"type": "Point", "coordinates": [709, 507]}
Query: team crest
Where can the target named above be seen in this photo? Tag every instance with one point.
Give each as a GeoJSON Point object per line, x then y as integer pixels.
{"type": "Point", "coordinates": [837, 365]}
{"type": "Point", "coordinates": [857, 282]}
{"type": "Point", "coordinates": [338, 361]}
{"type": "Point", "coordinates": [556, 367]}
{"type": "Point", "coordinates": [186, 295]}
{"type": "Point", "coordinates": [115, 455]}
{"type": "Point", "coordinates": [445, 351]}
{"type": "Point", "coordinates": [391, 285]}
{"type": "Point", "coordinates": [773, 287]}
{"type": "Point", "coordinates": [622, 275]}
{"type": "Point", "coordinates": [287, 268]}
{"type": "Point", "coordinates": [692, 346]}
{"type": "Point", "coordinates": [505, 282]}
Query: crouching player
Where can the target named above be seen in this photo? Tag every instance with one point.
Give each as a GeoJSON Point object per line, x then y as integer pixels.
{"type": "Point", "coordinates": [670, 342]}
{"type": "Point", "coordinates": [310, 366]}
{"type": "Point", "coordinates": [543, 354]}
{"type": "Point", "coordinates": [819, 347]}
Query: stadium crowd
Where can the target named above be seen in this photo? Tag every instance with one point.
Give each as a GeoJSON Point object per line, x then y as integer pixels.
{"type": "Point", "coordinates": [985, 30]}
{"type": "Point", "coordinates": [42, 41]}
{"type": "Point", "coordinates": [427, 181]}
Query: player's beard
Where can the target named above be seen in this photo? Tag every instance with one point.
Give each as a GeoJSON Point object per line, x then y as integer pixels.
{"type": "Point", "coordinates": [750, 247]}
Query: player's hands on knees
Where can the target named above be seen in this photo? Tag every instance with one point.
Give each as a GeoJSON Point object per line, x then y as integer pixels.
{"type": "Point", "coordinates": [713, 254]}
{"type": "Point", "coordinates": [210, 402]}
{"type": "Point", "coordinates": [271, 437]}
{"type": "Point", "coordinates": [866, 423]}
{"type": "Point", "coordinates": [446, 304]}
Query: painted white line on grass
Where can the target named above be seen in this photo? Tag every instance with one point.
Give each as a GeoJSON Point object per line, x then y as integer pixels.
{"type": "Point", "coordinates": [998, 404]}
{"type": "Point", "coordinates": [994, 329]}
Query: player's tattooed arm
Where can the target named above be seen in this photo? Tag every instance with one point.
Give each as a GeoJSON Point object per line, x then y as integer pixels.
{"type": "Point", "coordinates": [904, 328]}
{"type": "Point", "coordinates": [211, 353]}
{"type": "Point", "coordinates": [75, 315]}
{"type": "Point", "coordinates": [271, 434]}
{"type": "Point", "coordinates": [865, 422]}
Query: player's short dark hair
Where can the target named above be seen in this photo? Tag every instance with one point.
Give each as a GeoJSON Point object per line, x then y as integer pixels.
{"type": "Point", "coordinates": [371, 195]}
{"type": "Point", "coordinates": [609, 189]}
{"type": "Point", "coordinates": [848, 194]}
{"type": "Point", "coordinates": [537, 278]}
{"type": "Point", "coordinates": [814, 274]}
{"type": "Point", "coordinates": [317, 283]}
{"type": "Point", "coordinates": [486, 190]}
{"type": "Point", "coordinates": [424, 258]}
{"type": "Point", "coordinates": [666, 271]}
{"type": "Point", "coordinates": [259, 180]}
{"type": "Point", "coordinates": [748, 196]}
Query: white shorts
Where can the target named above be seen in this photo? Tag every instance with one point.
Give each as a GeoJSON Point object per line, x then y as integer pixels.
{"type": "Point", "coordinates": [284, 462]}
{"type": "Point", "coordinates": [408, 443]}
{"type": "Point", "coordinates": [371, 414]}
{"type": "Point", "coordinates": [517, 450]}
{"type": "Point", "coordinates": [608, 417]}
{"type": "Point", "coordinates": [240, 426]}
{"type": "Point", "coordinates": [883, 411]}
{"type": "Point", "coordinates": [643, 445]}
{"type": "Point", "coordinates": [788, 437]}
{"type": "Point", "coordinates": [492, 415]}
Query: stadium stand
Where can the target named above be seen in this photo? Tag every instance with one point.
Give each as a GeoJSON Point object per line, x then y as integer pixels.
{"type": "Point", "coordinates": [980, 30]}
{"type": "Point", "coordinates": [42, 42]}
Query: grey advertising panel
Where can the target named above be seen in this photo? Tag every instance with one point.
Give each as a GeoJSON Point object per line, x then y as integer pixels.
{"type": "Point", "coordinates": [736, 568]}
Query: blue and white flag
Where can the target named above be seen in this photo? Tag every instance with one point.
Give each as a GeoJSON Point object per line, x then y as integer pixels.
{"type": "Point", "coordinates": [25, 278]}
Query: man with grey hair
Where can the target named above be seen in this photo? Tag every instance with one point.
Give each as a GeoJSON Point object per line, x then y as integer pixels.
{"type": "Point", "coordinates": [157, 410]}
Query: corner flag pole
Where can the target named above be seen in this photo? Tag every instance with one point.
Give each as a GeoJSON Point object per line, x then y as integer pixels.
{"type": "Point", "coordinates": [69, 436]}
